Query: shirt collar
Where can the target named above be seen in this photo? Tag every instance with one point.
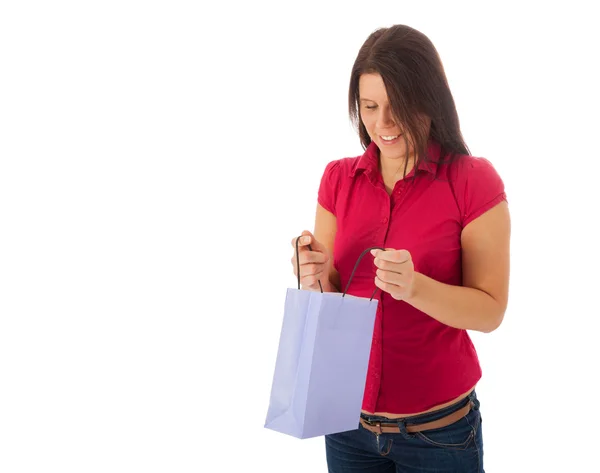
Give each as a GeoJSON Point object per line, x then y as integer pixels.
{"type": "Point", "coordinates": [369, 161]}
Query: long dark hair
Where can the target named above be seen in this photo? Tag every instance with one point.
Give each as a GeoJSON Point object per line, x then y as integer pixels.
{"type": "Point", "coordinates": [415, 81]}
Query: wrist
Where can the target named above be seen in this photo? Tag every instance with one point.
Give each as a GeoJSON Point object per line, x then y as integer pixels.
{"type": "Point", "coordinates": [416, 289]}
{"type": "Point", "coordinates": [327, 287]}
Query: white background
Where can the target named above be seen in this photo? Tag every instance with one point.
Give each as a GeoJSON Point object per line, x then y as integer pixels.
{"type": "Point", "coordinates": [157, 158]}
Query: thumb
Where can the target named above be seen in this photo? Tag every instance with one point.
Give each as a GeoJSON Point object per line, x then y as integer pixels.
{"type": "Point", "coordinates": [307, 238]}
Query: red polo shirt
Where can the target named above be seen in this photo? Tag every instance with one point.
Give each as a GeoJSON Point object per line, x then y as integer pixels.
{"type": "Point", "coordinates": [416, 362]}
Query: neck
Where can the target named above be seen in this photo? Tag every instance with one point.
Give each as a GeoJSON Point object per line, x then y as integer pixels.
{"type": "Point", "coordinates": [392, 169]}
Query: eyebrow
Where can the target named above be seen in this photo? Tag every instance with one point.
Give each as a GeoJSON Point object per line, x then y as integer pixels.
{"type": "Point", "coordinates": [367, 100]}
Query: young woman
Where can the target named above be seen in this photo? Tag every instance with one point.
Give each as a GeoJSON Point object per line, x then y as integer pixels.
{"type": "Point", "coordinates": [442, 217]}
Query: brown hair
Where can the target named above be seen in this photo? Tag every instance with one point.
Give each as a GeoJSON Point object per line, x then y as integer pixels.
{"type": "Point", "coordinates": [415, 82]}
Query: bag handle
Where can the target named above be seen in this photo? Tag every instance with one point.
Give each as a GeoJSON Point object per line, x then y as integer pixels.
{"type": "Point", "coordinates": [298, 264]}
{"type": "Point", "coordinates": [351, 275]}
{"type": "Point", "coordinates": [356, 266]}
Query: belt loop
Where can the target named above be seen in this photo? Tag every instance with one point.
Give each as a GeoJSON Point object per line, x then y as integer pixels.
{"type": "Point", "coordinates": [474, 401]}
{"type": "Point", "coordinates": [403, 431]}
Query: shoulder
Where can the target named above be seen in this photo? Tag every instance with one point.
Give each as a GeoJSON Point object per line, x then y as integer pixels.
{"type": "Point", "coordinates": [335, 175]}
{"type": "Point", "coordinates": [465, 167]}
{"type": "Point", "coordinates": [342, 166]}
{"type": "Point", "coordinates": [337, 169]}
{"type": "Point", "coordinates": [477, 185]}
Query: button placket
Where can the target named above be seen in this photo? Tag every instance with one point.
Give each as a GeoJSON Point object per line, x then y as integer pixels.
{"type": "Point", "coordinates": [386, 215]}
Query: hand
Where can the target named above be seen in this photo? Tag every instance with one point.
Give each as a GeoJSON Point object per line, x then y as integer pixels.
{"type": "Point", "coordinates": [314, 265]}
{"type": "Point", "coordinates": [395, 272]}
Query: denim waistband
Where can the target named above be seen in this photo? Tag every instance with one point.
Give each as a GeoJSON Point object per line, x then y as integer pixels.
{"type": "Point", "coordinates": [429, 416]}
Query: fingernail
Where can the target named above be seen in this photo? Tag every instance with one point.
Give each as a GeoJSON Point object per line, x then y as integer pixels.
{"type": "Point", "coordinates": [374, 252]}
{"type": "Point", "coordinates": [306, 239]}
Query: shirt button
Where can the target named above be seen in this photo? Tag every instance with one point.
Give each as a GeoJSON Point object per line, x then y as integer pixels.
{"type": "Point", "coordinates": [385, 220]}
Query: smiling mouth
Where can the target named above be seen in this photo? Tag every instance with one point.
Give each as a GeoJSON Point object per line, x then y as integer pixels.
{"type": "Point", "coordinates": [389, 138]}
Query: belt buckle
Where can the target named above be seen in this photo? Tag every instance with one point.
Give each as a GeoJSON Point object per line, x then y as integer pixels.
{"type": "Point", "coordinates": [376, 425]}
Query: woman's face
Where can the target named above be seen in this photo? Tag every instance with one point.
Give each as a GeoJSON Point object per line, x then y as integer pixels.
{"type": "Point", "coordinates": [377, 116]}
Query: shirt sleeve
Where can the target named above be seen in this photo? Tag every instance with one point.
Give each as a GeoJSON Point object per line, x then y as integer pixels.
{"type": "Point", "coordinates": [329, 186]}
{"type": "Point", "coordinates": [480, 187]}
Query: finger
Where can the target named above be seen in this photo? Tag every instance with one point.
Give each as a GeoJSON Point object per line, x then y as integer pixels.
{"type": "Point", "coordinates": [384, 286]}
{"type": "Point", "coordinates": [308, 257]}
{"type": "Point", "coordinates": [400, 268]}
{"type": "Point", "coordinates": [391, 255]}
{"type": "Point", "coordinates": [305, 240]}
{"type": "Point", "coordinates": [311, 280]}
{"type": "Point", "coordinates": [389, 277]}
{"type": "Point", "coordinates": [310, 262]}
{"type": "Point", "coordinates": [393, 290]}
{"type": "Point", "coordinates": [311, 269]}
{"type": "Point", "coordinates": [311, 277]}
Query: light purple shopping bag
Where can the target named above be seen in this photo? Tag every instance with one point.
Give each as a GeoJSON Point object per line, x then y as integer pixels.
{"type": "Point", "coordinates": [322, 361]}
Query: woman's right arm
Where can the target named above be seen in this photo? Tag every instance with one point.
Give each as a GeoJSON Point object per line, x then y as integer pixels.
{"type": "Point", "coordinates": [317, 265]}
{"type": "Point", "coordinates": [325, 230]}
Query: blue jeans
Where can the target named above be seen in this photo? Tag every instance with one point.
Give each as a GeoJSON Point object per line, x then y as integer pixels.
{"type": "Point", "coordinates": [456, 448]}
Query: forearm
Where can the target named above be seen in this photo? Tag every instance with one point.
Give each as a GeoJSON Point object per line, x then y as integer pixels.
{"type": "Point", "coordinates": [457, 306]}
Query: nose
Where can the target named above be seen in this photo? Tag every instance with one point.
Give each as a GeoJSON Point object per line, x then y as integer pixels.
{"type": "Point", "coordinates": [385, 118]}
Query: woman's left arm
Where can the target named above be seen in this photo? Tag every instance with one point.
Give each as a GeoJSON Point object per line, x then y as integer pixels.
{"type": "Point", "coordinates": [480, 303]}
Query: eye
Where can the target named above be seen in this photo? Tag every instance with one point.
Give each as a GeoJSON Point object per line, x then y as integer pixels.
{"type": "Point", "coordinates": [371, 107]}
